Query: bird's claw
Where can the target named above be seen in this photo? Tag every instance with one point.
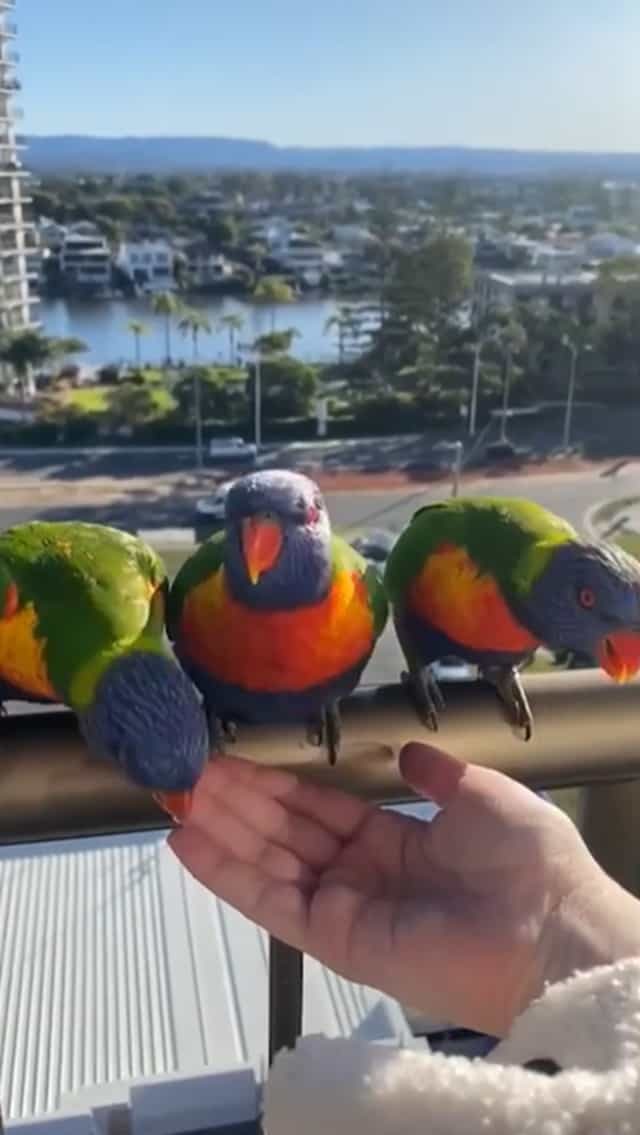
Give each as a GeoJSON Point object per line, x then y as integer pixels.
{"type": "Point", "coordinates": [325, 730]}
{"type": "Point", "coordinates": [511, 693]}
{"type": "Point", "coordinates": [222, 733]}
{"type": "Point", "coordinates": [425, 695]}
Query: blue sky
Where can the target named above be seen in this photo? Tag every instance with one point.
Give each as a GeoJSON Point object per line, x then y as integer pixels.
{"type": "Point", "coordinates": [556, 74]}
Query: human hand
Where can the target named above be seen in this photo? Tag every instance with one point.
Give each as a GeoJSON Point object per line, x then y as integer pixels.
{"type": "Point", "coordinates": [464, 917]}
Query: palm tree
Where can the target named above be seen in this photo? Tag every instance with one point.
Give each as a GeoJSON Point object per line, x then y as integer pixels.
{"type": "Point", "coordinates": [137, 329]}
{"type": "Point", "coordinates": [166, 305]}
{"type": "Point", "coordinates": [347, 325]}
{"type": "Point", "coordinates": [194, 323]}
{"type": "Point", "coordinates": [233, 323]}
{"type": "Point", "coordinates": [272, 290]}
{"type": "Point", "coordinates": [24, 350]}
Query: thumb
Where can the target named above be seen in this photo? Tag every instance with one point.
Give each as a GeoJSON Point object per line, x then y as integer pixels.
{"type": "Point", "coordinates": [430, 772]}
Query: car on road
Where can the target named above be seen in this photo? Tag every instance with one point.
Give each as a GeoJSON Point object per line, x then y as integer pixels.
{"type": "Point", "coordinates": [224, 449]}
{"type": "Point", "coordinates": [375, 545]}
{"type": "Point", "coordinates": [450, 669]}
{"type": "Point", "coordinates": [212, 508]}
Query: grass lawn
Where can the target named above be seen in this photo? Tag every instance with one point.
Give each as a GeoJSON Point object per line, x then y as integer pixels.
{"type": "Point", "coordinates": [95, 399]}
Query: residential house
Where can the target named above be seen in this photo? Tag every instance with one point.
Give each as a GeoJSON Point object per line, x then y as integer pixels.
{"type": "Point", "coordinates": [206, 268]}
{"type": "Point", "coordinates": [148, 264]}
{"type": "Point", "coordinates": [303, 257]}
{"type": "Point", "coordinates": [84, 258]}
{"type": "Point", "coordinates": [503, 290]}
{"type": "Point", "coordinates": [352, 237]}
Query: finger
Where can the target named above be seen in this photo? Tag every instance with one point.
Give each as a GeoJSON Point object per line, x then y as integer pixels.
{"type": "Point", "coordinates": [432, 773]}
{"type": "Point", "coordinates": [245, 797]}
{"type": "Point", "coordinates": [239, 839]}
{"type": "Point", "coordinates": [280, 907]}
{"type": "Point", "coordinates": [338, 812]}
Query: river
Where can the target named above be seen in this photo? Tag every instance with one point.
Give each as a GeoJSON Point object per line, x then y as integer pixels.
{"type": "Point", "coordinates": [103, 326]}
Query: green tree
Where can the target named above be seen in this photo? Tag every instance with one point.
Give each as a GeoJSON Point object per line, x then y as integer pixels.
{"type": "Point", "coordinates": [221, 231]}
{"type": "Point", "coordinates": [137, 329]}
{"type": "Point", "coordinates": [426, 286]}
{"type": "Point", "coordinates": [273, 290]}
{"type": "Point", "coordinates": [194, 323]}
{"type": "Point", "coordinates": [25, 350]}
{"type": "Point", "coordinates": [276, 342]}
{"type": "Point", "coordinates": [131, 405]}
{"type": "Point", "coordinates": [232, 323]}
{"type": "Point", "coordinates": [348, 322]}
{"type": "Point", "coordinates": [166, 305]}
{"type": "Point", "coordinates": [223, 394]}
{"type": "Point", "coordinates": [288, 386]}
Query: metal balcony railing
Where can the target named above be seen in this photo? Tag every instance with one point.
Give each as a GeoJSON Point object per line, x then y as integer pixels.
{"type": "Point", "coordinates": [586, 734]}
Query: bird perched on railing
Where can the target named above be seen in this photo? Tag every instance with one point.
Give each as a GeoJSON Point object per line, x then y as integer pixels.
{"type": "Point", "coordinates": [491, 579]}
{"type": "Point", "coordinates": [82, 614]}
{"type": "Point", "coordinates": [275, 618]}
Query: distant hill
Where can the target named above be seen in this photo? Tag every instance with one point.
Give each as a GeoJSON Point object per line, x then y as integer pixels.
{"type": "Point", "coordinates": [66, 153]}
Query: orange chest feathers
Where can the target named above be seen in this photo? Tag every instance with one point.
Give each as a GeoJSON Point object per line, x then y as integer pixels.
{"type": "Point", "coordinates": [276, 651]}
{"type": "Point", "coordinates": [456, 598]}
{"type": "Point", "coordinates": [22, 654]}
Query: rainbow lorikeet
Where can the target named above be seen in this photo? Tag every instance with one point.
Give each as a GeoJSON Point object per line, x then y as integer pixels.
{"type": "Point", "coordinates": [82, 613]}
{"type": "Point", "coordinates": [275, 618]}
{"type": "Point", "coordinates": [491, 579]}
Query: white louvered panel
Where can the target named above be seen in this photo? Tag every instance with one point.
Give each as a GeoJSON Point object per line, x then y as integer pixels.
{"type": "Point", "coordinates": [117, 965]}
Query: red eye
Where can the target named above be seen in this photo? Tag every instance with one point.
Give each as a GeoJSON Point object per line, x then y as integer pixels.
{"type": "Point", "coordinates": [586, 597]}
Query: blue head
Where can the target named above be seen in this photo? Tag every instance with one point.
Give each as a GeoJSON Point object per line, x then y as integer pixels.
{"type": "Point", "coordinates": [278, 540]}
{"type": "Point", "coordinates": [587, 599]}
{"type": "Point", "coordinates": [147, 717]}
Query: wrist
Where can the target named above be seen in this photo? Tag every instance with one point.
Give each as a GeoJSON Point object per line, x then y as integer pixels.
{"type": "Point", "coordinates": [596, 923]}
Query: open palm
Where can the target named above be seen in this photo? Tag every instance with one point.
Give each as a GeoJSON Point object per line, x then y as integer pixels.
{"type": "Point", "coordinates": [453, 917]}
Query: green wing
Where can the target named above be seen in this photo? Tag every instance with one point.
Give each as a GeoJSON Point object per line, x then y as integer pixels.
{"type": "Point", "coordinates": [206, 561]}
{"type": "Point", "coordinates": [90, 586]}
{"type": "Point", "coordinates": [346, 558]}
{"type": "Point", "coordinates": [507, 537]}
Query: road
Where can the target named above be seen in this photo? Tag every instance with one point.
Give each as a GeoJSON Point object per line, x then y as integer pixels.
{"type": "Point", "coordinates": [570, 495]}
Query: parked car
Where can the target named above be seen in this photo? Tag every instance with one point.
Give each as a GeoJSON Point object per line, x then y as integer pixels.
{"type": "Point", "coordinates": [225, 449]}
{"type": "Point", "coordinates": [450, 669]}
{"type": "Point", "coordinates": [212, 508]}
{"type": "Point", "coordinates": [375, 545]}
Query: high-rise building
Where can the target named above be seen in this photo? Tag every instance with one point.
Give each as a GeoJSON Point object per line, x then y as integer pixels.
{"type": "Point", "coordinates": [17, 234]}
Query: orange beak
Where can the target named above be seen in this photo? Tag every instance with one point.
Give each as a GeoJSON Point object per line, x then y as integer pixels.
{"type": "Point", "coordinates": [619, 655]}
{"type": "Point", "coordinates": [261, 545]}
{"type": "Point", "coordinates": [175, 804]}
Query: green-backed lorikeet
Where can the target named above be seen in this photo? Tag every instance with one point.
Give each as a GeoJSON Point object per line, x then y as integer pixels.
{"type": "Point", "coordinates": [82, 614]}
{"type": "Point", "coordinates": [491, 579]}
{"type": "Point", "coordinates": [275, 618]}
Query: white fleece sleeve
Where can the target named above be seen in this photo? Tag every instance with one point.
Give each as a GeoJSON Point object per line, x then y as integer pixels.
{"type": "Point", "coordinates": [589, 1025]}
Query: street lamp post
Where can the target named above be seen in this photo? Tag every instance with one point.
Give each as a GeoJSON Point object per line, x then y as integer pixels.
{"type": "Point", "coordinates": [475, 382]}
{"type": "Point", "coordinates": [257, 401]}
{"type": "Point", "coordinates": [255, 356]}
{"type": "Point", "coordinates": [197, 412]}
{"type": "Point", "coordinates": [457, 448]}
{"type": "Point", "coordinates": [506, 386]}
{"type": "Point", "coordinates": [571, 388]}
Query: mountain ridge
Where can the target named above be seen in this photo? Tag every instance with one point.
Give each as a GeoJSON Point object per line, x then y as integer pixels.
{"type": "Point", "coordinates": [74, 153]}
